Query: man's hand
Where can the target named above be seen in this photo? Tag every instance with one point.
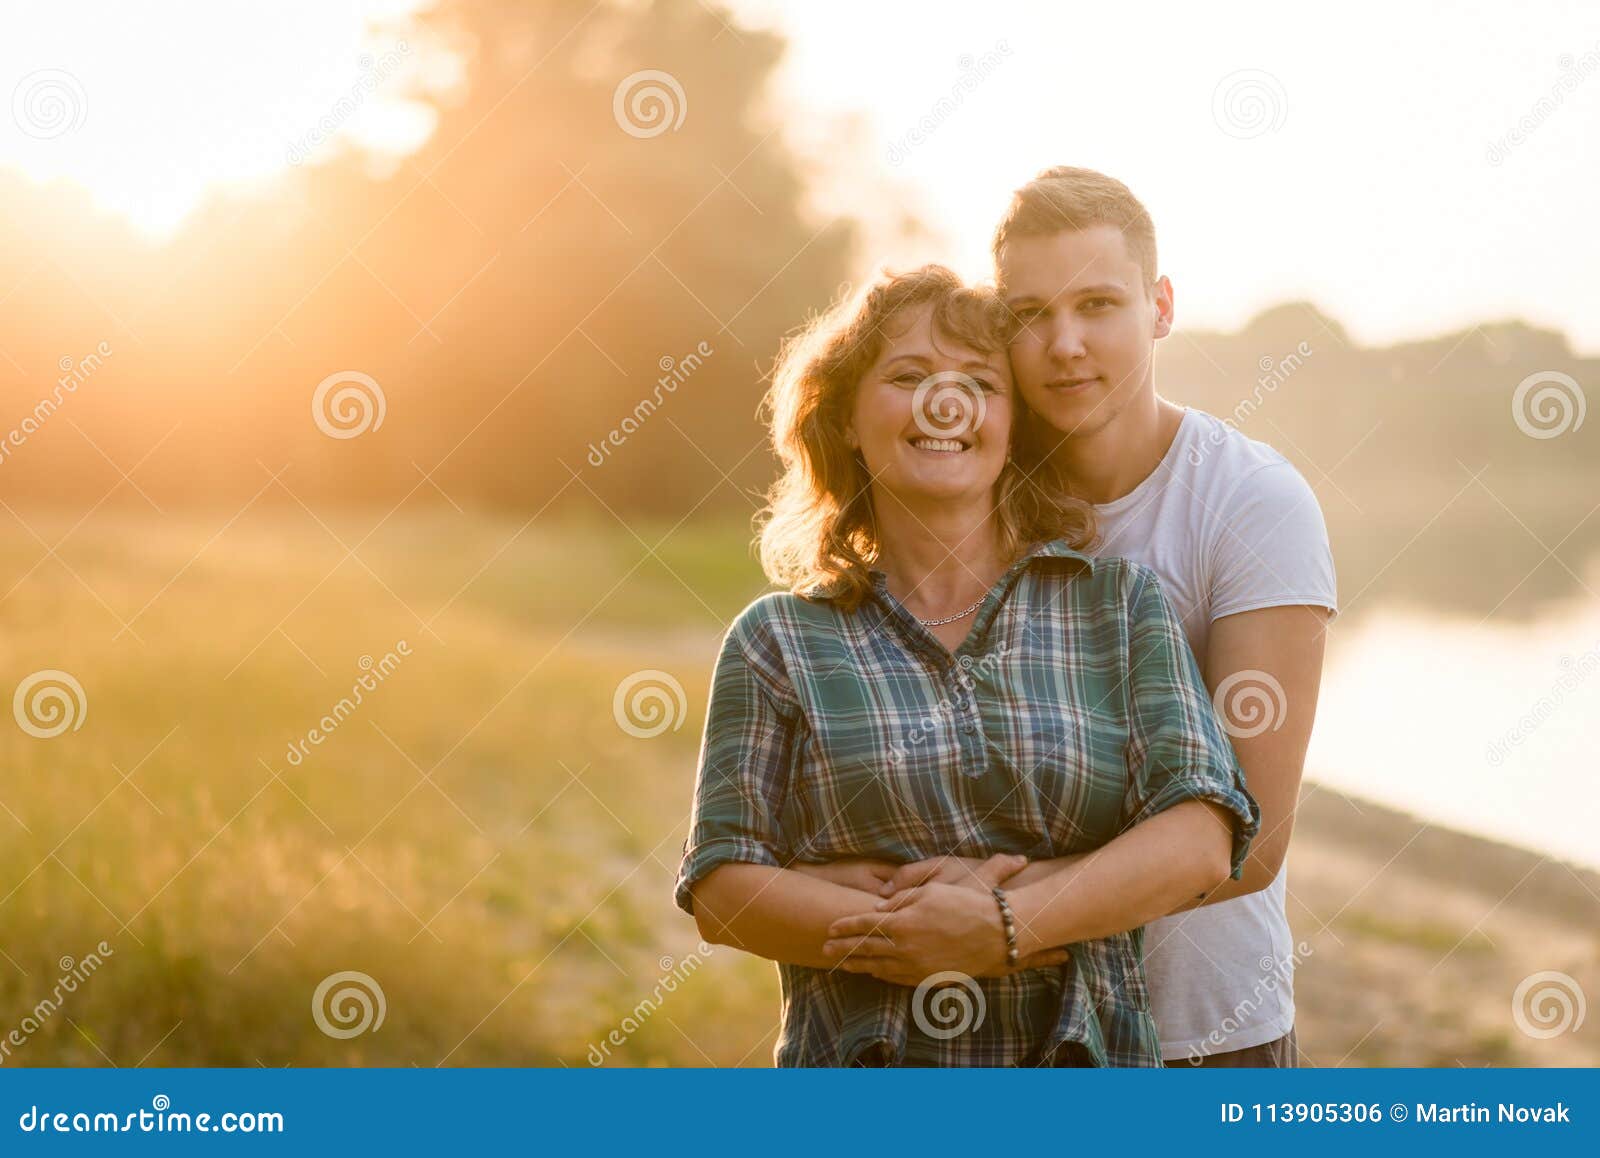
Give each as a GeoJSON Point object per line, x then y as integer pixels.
{"type": "Point", "coordinates": [970, 872]}
{"type": "Point", "coordinates": [856, 872]}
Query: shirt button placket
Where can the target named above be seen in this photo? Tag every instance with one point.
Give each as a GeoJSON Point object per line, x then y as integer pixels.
{"type": "Point", "coordinates": [965, 704]}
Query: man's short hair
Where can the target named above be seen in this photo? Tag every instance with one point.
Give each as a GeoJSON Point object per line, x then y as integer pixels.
{"type": "Point", "coordinates": [1066, 199]}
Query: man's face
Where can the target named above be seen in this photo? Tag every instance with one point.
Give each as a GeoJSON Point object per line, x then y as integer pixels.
{"type": "Point", "coordinates": [1087, 322]}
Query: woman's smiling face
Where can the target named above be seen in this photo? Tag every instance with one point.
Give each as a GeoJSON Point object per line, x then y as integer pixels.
{"type": "Point", "coordinates": [932, 416]}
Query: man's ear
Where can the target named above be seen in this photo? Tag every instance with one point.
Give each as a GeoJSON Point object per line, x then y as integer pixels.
{"type": "Point", "coordinates": [1161, 293]}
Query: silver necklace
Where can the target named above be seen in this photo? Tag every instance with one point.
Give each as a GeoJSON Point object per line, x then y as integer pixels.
{"type": "Point", "coordinates": [956, 616]}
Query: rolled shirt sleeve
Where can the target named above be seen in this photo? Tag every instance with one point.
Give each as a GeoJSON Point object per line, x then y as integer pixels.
{"type": "Point", "coordinates": [745, 758]}
{"type": "Point", "coordinates": [1177, 750]}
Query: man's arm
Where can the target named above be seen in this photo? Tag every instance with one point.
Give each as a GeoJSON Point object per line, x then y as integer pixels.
{"type": "Point", "coordinates": [1270, 732]}
{"type": "Point", "coordinates": [1140, 875]}
{"type": "Point", "coordinates": [1285, 643]}
{"type": "Point", "coordinates": [1146, 872]}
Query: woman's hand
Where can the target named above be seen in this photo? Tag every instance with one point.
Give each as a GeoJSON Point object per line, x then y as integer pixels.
{"type": "Point", "coordinates": [854, 872]}
{"type": "Point", "coordinates": [928, 929]}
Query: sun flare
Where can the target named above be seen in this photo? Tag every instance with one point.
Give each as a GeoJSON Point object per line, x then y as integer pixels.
{"type": "Point", "coordinates": [151, 111]}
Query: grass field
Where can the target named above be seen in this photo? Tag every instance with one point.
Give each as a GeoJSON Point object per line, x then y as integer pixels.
{"type": "Point", "coordinates": [479, 836]}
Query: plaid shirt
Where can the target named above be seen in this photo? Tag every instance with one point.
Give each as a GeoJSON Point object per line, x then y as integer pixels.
{"type": "Point", "coordinates": [1073, 710]}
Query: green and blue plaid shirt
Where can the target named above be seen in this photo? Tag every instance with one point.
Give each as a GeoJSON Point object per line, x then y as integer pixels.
{"type": "Point", "coordinates": [1073, 710]}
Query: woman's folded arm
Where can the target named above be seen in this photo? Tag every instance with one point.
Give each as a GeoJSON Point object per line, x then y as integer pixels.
{"type": "Point", "coordinates": [776, 913]}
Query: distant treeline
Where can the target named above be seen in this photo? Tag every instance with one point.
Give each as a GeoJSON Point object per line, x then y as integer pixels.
{"type": "Point", "coordinates": [572, 297]}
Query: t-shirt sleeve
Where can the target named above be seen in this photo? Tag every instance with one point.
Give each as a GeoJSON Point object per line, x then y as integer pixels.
{"type": "Point", "coordinates": [744, 760]}
{"type": "Point", "coordinates": [1177, 750]}
{"type": "Point", "coordinates": [1271, 546]}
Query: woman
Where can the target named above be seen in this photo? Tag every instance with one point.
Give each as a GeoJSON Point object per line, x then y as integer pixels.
{"type": "Point", "coordinates": [947, 675]}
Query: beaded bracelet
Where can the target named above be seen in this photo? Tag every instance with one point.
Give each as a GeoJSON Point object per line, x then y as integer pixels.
{"type": "Point", "coordinates": [1010, 925]}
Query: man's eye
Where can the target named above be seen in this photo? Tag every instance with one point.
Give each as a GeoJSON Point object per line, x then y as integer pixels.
{"type": "Point", "coordinates": [1098, 303]}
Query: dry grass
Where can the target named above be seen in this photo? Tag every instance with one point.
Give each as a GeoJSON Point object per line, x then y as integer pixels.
{"type": "Point", "coordinates": [480, 836]}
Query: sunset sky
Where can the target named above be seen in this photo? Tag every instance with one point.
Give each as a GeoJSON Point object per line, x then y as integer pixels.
{"type": "Point", "coordinates": [1360, 159]}
{"type": "Point", "coordinates": [1369, 189]}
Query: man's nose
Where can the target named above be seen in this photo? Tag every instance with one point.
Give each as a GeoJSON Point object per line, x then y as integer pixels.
{"type": "Point", "coordinates": [1066, 342]}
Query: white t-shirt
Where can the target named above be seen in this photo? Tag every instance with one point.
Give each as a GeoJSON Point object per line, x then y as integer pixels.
{"type": "Point", "coordinates": [1228, 525]}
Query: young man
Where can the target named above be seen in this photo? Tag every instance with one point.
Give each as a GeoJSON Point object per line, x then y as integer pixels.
{"type": "Point", "coordinates": [1238, 541]}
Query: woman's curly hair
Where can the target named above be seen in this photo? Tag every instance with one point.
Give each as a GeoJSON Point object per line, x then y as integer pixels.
{"type": "Point", "coordinates": [817, 533]}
